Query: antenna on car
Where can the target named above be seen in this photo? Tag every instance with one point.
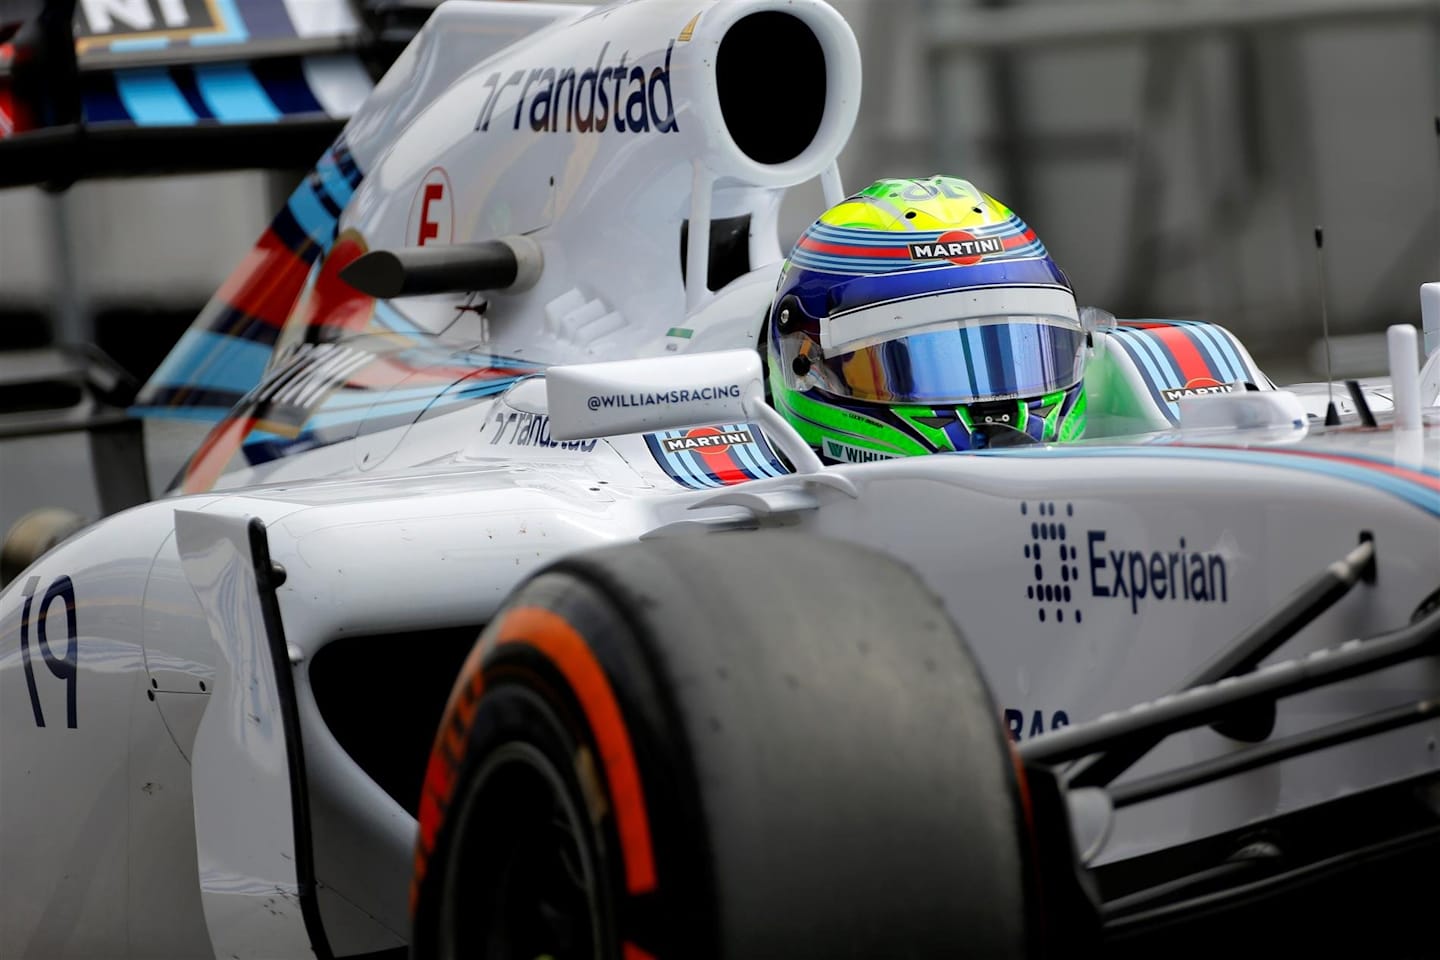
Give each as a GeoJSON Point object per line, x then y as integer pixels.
{"type": "Point", "coordinates": [1332, 416]}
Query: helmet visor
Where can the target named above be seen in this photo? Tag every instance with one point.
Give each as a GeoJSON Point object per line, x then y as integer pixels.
{"type": "Point", "coordinates": [952, 361]}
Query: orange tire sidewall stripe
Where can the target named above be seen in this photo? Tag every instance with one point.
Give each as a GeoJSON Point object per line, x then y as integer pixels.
{"type": "Point", "coordinates": [553, 636]}
{"type": "Point", "coordinates": [445, 754]}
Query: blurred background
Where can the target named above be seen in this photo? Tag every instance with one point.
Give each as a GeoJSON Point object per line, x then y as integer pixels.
{"type": "Point", "coordinates": [1175, 156]}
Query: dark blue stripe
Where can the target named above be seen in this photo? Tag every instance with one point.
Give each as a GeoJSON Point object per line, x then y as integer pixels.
{"type": "Point", "coordinates": [235, 323]}
{"type": "Point", "coordinates": [1004, 339]}
{"type": "Point", "coordinates": [346, 161]}
{"type": "Point", "coordinates": [184, 78]}
{"type": "Point", "coordinates": [1226, 352]}
{"type": "Point", "coordinates": [973, 387]}
{"type": "Point", "coordinates": [188, 397]}
{"type": "Point", "coordinates": [1202, 345]}
{"type": "Point", "coordinates": [1145, 375]}
{"type": "Point", "coordinates": [1404, 489]}
{"type": "Point", "coordinates": [1163, 348]}
{"type": "Point", "coordinates": [317, 186]}
{"type": "Point", "coordinates": [267, 18]}
{"type": "Point", "coordinates": [101, 102]}
{"type": "Point", "coordinates": [1005, 273]}
{"type": "Point", "coordinates": [285, 84]}
{"type": "Point", "coordinates": [287, 228]}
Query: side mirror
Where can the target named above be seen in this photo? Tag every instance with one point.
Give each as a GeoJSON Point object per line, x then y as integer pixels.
{"type": "Point", "coordinates": [668, 393]}
{"type": "Point", "coordinates": [1094, 318]}
{"type": "Point", "coordinates": [662, 393]}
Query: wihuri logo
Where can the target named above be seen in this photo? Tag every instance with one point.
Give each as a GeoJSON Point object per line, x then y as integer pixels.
{"type": "Point", "coordinates": [619, 97]}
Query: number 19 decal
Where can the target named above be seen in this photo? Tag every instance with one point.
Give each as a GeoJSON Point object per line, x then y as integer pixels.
{"type": "Point", "coordinates": [64, 668]}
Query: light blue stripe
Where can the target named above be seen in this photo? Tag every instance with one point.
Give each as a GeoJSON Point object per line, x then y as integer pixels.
{"type": "Point", "coordinates": [313, 218]}
{"type": "Point", "coordinates": [1157, 383]}
{"type": "Point", "coordinates": [1408, 491]}
{"type": "Point", "coordinates": [1035, 248]}
{"type": "Point", "coordinates": [393, 319]}
{"type": "Point", "coordinates": [213, 361]}
{"type": "Point", "coordinates": [364, 399]}
{"type": "Point", "coordinates": [692, 463]}
{"type": "Point", "coordinates": [686, 475]}
{"type": "Point", "coordinates": [749, 453]}
{"type": "Point", "coordinates": [233, 93]}
{"type": "Point", "coordinates": [860, 264]}
{"type": "Point", "coordinates": [132, 44]}
{"type": "Point", "coordinates": [978, 366]}
{"type": "Point", "coordinates": [768, 457]}
{"type": "Point", "coordinates": [846, 258]}
{"type": "Point", "coordinates": [204, 414]}
{"type": "Point", "coordinates": [683, 466]}
{"type": "Point", "coordinates": [1011, 226]}
{"type": "Point", "coordinates": [329, 416]}
{"type": "Point", "coordinates": [152, 99]}
{"type": "Point", "coordinates": [335, 183]}
{"type": "Point", "coordinates": [437, 393]}
{"type": "Point", "coordinates": [319, 421]}
{"type": "Point", "coordinates": [235, 27]}
{"type": "Point", "coordinates": [750, 459]}
{"type": "Point", "coordinates": [878, 237]}
{"type": "Point", "coordinates": [1169, 371]}
{"type": "Point", "coordinates": [808, 259]}
{"type": "Point", "coordinates": [485, 388]}
{"type": "Point", "coordinates": [1156, 362]}
{"type": "Point", "coordinates": [872, 238]}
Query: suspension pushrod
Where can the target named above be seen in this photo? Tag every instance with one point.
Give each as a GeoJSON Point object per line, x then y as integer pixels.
{"type": "Point", "coordinates": [1203, 705]}
{"type": "Point", "coordinates": [1310, 600]}
{"type": "Point", "coordinates": [1207, 771]}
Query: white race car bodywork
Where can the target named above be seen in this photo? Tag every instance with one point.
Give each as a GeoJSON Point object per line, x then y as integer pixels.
{"type": "Point", "coordinates": [1174, 550]}
{"type": "Point", "coordinates": [147, 782]}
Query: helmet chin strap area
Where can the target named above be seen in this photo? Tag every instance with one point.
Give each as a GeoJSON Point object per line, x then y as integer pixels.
{"type": "Point", "coordinates": [984, 436]}
{"type": "Point", "coordinates": [993, 425]}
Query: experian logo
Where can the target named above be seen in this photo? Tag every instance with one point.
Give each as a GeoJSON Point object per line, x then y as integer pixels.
{"type": "Point", "coordinates": [619, 97]}
{"type": "Point", "coordinates": [1136, 577]}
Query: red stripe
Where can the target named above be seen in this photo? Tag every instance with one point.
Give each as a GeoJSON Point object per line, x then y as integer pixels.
{"type": "Point", "coordinates": [267, 282]}
{"type": "Point", "coordinates": [720, 462]}
{"type": "Point", "coordinates": [553, 636]}
{"type": "Point", "coordinates": [214, 454]}
{"type": "Point", "coordinates": [889, 253]}
{"type": "Point", "coordinates": [331, 301]}
{"type": "Point", "coordinates": [1192, 365]}
{"type": "Point", "coordinates": [1401, 473]}
{"type": "Point", "coordinates": [441, 770]}
{"type": "Point", "coordinates": [1016, 240]}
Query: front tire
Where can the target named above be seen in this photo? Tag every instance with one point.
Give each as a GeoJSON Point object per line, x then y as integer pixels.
{"type": "Point", "coordinates": [735, 745]}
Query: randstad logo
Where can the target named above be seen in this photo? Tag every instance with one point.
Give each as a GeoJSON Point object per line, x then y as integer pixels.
{"type": "Point", "coordinates": [619, 96]}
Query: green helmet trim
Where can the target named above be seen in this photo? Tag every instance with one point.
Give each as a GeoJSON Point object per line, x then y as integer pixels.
{"type": "Point", "coordinates": [1073, 426]}
{"type": "Point", "coordinates": [817, 422]}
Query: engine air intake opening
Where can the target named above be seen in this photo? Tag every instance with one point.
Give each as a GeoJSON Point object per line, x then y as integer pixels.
{"type": "Point", "coordinates": [768, 125]}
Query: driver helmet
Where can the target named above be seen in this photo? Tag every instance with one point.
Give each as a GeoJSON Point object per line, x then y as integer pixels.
{"type": "Point", "coordinates": [922, 316]}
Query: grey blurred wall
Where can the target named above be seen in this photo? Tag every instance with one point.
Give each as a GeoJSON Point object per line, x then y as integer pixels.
{"type": "Point", "coordinates": [1174, 172]}
{"type": "Point", "coordinates": [1176, 156]}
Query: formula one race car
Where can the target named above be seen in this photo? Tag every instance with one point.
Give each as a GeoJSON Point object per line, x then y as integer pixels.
{"type": "Point", "coordinates": [492, 373]}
